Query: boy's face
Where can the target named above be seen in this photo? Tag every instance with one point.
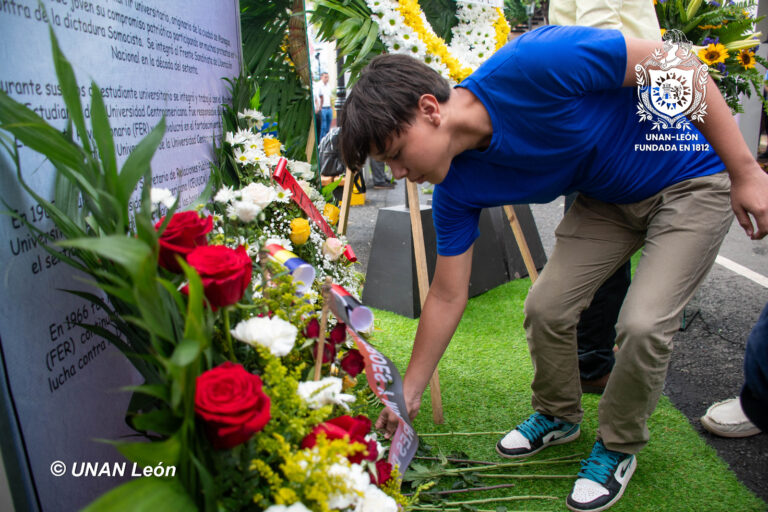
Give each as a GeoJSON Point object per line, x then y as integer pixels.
{"type": "Point", "coordinates": [419, 153]}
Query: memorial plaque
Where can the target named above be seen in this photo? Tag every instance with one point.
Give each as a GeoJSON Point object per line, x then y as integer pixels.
{"type": "Point", "coordinates": [61, 386]}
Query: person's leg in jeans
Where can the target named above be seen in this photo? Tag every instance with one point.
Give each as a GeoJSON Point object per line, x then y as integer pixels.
{"type": "Point", "coordinates": [596, 330]}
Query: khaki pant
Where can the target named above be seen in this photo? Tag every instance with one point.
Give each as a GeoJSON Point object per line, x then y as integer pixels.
{"type": "Point", "coordinates": [680, 230]}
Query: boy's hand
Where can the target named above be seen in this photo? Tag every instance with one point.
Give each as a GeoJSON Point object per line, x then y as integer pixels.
{"type": "Point", "coordinates": [749, 195]}
{"type": "Point", "coordinates": [387, 421]}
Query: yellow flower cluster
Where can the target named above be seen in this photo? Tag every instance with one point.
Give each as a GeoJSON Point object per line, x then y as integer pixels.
{"type": "Point", "coordinates": [308, 470]}
{"type": "Point", "coordinates": [501, 27]}
{"type": "Point", "coordinates": [435, 45]}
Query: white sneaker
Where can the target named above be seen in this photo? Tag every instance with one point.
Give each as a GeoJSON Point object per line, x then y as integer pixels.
{"type": "Point", "coordinates": [602, 480]}
{"type": "Point", "coordinates": [727, 419]}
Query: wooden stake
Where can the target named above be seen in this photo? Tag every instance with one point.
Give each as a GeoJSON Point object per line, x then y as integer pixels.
{"type": "Point", "coordinates": [517, 230]}
{"type": "Point", "coordinates": [346, 197]}
{"type": "Point", "coordinates": [326, 289]}
{"type": "Point", "coordinates": [422, 275]}
{"type": "Point", "coordinates": [310, 140]}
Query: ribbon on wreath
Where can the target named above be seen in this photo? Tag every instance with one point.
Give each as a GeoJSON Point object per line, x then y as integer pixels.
{"type": "Point", "coordinates": [288, 182]}
{"type": "Point", "coordinates": [303, 273]}
{"type": "Point", "coordinates": [349, 310]}
{"type": "Point", "coordinates": [386, 383]}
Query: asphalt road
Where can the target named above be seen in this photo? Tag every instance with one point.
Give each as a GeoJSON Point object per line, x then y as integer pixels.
{"type": "Point", "coordinates": [707, 360]}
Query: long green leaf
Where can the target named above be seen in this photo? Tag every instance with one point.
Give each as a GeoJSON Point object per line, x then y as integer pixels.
{"type": "Point", "coordinates": [128, 252]}
{"type": "Point", "coordinates": [151, 453]}
{"type": "Point", "coordinates": [145, 495]}
{"type": "Point", "coordinates": [36, 134]}
{"type": "Point", "coordinates": [102, 134]}
{"type": "Point", "coordinates": [70, 92]}
{"type": "Point", "coordinates": [137, 163]}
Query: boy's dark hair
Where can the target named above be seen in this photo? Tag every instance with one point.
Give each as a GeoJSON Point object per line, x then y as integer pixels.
{"type": "Point", "coordinates": [383, 100]}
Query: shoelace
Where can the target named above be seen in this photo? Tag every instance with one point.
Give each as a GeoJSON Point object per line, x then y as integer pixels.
{"type": "Point", "coordinates": [536, 425]}
{"type": "Point", "coordinates": [601, 463]}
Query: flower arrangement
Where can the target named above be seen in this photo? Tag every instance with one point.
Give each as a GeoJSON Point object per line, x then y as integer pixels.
{"type": "Point", "coordinates": [404, 28]}
{"type": "Point", "coordinates": [218, 329]}
{"type": "Point", "coordinates": [724, 37]}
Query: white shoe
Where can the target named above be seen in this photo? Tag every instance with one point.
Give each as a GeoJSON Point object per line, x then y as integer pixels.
{"type": "Point", "coordinates": [727, 419]}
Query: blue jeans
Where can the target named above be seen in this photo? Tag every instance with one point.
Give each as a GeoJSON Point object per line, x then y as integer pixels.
{"type": "Point", "coordinates": [326, 117]}
{"type": "Point", "coordinates": [754, 394]}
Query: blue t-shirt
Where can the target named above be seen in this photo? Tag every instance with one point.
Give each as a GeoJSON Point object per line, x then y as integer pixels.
{"type": "Point", "coordinates": [562, 122]}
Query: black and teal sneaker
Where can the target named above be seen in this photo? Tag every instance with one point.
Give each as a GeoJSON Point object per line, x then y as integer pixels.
{"type": "Point", "coordinates": [602, 480]}
{"type": "Point", "coordinates": [535, 434]}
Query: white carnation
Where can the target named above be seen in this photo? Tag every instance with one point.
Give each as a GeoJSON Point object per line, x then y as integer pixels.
{"type": "Point", "coordinates": [326, 391]}
{"type": "Point", "coordinates": [245, 211]}
{"type": "Point", "coordinates": [376, 500]}
{"type": "Point", "coordinates": [357, 481]}
{"type": "Point", "coordinates": [161, 196]}
{"type": "Point", "coordinates": [224, 195]}
{"type": "Point", "coordinates": [301, 170]}
{"type": "Point", "coordinates": [296, 507]}
{"type": "Point", "coordinates": [259, 194]}
{"type": "Point", "coordinates": [273, 333]}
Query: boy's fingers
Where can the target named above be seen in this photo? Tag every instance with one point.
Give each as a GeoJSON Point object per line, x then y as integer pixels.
{"type": "Point", "coordinates": [744, 221]}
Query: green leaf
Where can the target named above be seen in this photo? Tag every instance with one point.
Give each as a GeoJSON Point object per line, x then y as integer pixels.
{"type": "Point", "coordinates": [102, 134]}
{"type": "Point", "coordinates": [131, 253]}
{"type": "Point", "coordinates": [145, 495]}
{"type": "Point", "coordinates": [70, 92]}
{"type": "Point", "coordinates": [38, 135]}
{"type": "Point", "coordinates": [186, 352]}
{"type": "Point", "coordinates": [161, 421]}
{"type": "Point", "coordinates": [137, 163]}
{"type": "Point", "coordinates": [151, 453]}
{"type": "Point", "coordinates": [153, 390]}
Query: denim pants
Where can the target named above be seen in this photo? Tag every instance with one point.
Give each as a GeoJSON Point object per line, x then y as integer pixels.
{"type": "Point", "coordinates": [754, 394]}
{"type": "Point", "coordinates": [680, 230]}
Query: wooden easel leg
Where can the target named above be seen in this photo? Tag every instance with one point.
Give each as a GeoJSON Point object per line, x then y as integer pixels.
{"type": "Point", "coordinates": [517, 230]}
{"type": "Point", "coordinates": [346, 197]}
{"type": "Point", "coordinates": [420, 254]}
{"type": "Point", "coordinates": [310, 140]}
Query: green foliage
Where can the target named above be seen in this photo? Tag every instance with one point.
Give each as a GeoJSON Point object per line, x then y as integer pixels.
{"type": "Point", "coordinates": [267, 61]}
{"type": "Point", "coordinates": [703, 22]}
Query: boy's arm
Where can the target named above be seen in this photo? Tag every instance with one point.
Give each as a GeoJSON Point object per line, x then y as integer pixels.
{"type": "Point", "coordinates": [749, 183]}
{"type": "Point", "coordinates": [442, 311]}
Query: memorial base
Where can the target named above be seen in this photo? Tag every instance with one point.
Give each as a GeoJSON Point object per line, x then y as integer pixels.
{"type": "Point", "coordinates": [391, 282]}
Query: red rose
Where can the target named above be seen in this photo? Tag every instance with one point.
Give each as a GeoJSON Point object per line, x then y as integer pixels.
{"type": "Point", "coordinates": [184, 232]}
{"type": "Point", "coordinates": [345, 427]}
{"type": "Point", "coordinates": [225, 272]}
{"type": "Point", "coordinates": [232, 404]}
{"type": "Point", "coordinates": [329, 352]}
{"type": "Point", "coordinates": [312, 330]}
{"type": "Point", "coordinates": [383, 472]}
{"type": "Point", "coordinates": [353, 363]}
{"type": "Point", "coordinates": [338, 334]}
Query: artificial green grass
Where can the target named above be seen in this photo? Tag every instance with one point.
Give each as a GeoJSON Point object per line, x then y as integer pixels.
{"type": "Point", "coordinates": [485, 378]}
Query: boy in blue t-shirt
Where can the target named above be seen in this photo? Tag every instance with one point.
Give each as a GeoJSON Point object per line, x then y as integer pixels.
{"type": "Point", "coordinates": [551, 113]}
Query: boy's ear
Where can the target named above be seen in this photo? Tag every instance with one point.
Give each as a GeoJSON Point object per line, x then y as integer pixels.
{"type": "Point", "coordinates": [429, 107]}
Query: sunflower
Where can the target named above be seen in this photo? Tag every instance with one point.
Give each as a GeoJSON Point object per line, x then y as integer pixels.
{"type": "Point", "coordinates": [746, 58]}
{"type": "Point", "coordinates": [713, 54]}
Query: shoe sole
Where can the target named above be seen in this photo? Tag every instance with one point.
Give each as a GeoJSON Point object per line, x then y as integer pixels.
{"type": "Point", "coordinates": [562, 440]}
{"type": "Point", "coordinates": [714, 428]}
{"type": "Point", "coordinates": [631, 471]}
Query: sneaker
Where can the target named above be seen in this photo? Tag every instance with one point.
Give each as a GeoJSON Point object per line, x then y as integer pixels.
{"type": "Point", "coordinates": [602, 480]}
{"type": "Point", "coordinates": [727, 419]}
{"type": "Point", "coordinates": [535, 434]}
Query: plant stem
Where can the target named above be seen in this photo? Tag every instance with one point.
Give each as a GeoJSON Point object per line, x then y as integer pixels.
{"type": "Point", "coordinates": [525, 477]}
{"type": "Point", "coordinates": [443, 434]}
{"type": "Point", "coordinates": [485, 500]}
{"type": "Point", "coordinates": [471, 489]}
{"type": "Point", "coordinates": [466, 461]}
{"type": "Point", "coordinates": [228, 348]}
{"type": "Point", "coordinates": [508, 465]}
